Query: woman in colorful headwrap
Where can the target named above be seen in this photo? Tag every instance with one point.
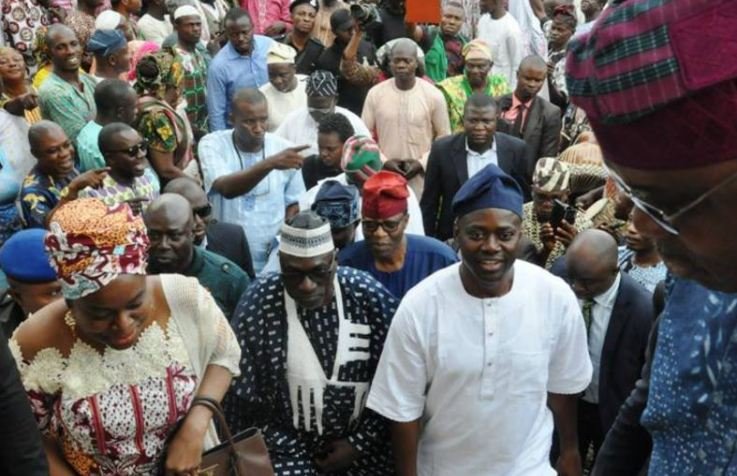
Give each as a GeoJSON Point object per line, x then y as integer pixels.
{"type": "Point", "coordinates": [112, 369]}
{"type": "Point", "coordinates": [159, 86]}
{"type": "Point", "coordinates": [476, 78]}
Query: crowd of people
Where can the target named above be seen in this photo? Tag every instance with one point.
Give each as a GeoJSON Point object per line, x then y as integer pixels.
{"type": "Point", "coordinates": [499, 244]}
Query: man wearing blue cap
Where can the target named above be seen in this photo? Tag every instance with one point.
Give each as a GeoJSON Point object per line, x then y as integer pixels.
{"type": "Point", "coordinates": [32, 282]}
{"type": "Point", "coordinates": [111, 53]}
{"type": "Point", "coordinates": [338, 204]}
{"type": "Point", "coordinates": [474, 371]}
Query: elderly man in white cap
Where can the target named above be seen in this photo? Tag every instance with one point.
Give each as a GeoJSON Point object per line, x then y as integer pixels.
{"type": "Point", "coordinates": [191, 53]}
{"type": "Point", "coordinates": [285, 90]}
{"type": "Point", "coordinates": [311, 339]}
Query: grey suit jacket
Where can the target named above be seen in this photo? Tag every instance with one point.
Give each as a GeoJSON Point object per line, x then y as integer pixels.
{"type": "Point", "coordinates": [541, 130]}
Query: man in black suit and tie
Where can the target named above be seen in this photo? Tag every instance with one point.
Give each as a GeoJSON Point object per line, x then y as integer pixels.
{"type": "Point", "coordinates": [225, 239]}
{"type": "Point", "coordinates": [455, 158]}
{"type": "Point", "coordinates": [525, 115]}
{"type": "Point", "coordinates": [618, 313]}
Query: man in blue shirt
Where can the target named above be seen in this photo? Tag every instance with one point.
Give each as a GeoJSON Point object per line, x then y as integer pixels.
{"type": "Point", "coordinates": [240, 64]}
{"type": "Point", "coordinates": [669, 137]}
{"type": "Point", "coordinates": [397, 260]}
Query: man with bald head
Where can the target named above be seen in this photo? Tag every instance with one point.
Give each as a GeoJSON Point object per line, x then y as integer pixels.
{"type": "Point", "coordinates": [125, 157]}
{"type": "Point", "coordinates": [67, 95]}
{"type": "Point", "coordinates": [54, 177]}
{"type": "Point", "coordinates": [618, 313]}
{"type": "Point", "coordinates": [405, 112]}
{"type": "Point", "coordinates": [226, 239]}
{"type": "Point", "coordinates": [531, 118]}
{"type": "Point", "coordinates": [252, 176]}
{"type": "Point", "coordinates": [170, 226]}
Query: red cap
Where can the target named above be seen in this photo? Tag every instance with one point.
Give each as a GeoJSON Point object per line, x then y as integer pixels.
{"type": "Point", "coordinates": [384, 195]}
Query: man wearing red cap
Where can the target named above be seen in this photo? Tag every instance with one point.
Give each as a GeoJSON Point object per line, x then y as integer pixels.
{"type": "Point", "coordinates": [661, 94]}
{"type": "Point", "coordinates": [397, 260]}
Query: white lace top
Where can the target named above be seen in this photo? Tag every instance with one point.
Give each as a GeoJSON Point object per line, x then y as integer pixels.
{"type": "Point", "coordinates": [112, 412]}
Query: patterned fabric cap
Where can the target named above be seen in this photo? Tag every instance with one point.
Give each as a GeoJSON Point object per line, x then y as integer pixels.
{"type": "Point", "coordinates": [361, 158]}
{"type": "Point", "coordinates": [155, 72]}
{"type": "Point", "coordinates": [477, 49]}
{"type": "Point", "coordinates": [657, 91]}
{"type": "Point", "coordinates": [280, 53]}
{"type": "Point", "coordinates": [551, 175]}
{"type": "Point", "coordinates": [106, 42]}
{"type": "Point", "coordinates": [306, 242]}
{"type": "Point", "coordinates": [91, 244]}
{"type": "Point", "coordinates": [337, 203]}
{"type": "Point", "coordinates": [321, 84]}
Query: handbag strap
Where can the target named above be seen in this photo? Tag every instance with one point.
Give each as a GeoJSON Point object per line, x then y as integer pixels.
{"type": "Point", "coordinates": [218, 413]}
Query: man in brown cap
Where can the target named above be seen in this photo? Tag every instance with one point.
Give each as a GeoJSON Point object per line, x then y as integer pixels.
{"type": "Point", "coordinates": [662, 101]}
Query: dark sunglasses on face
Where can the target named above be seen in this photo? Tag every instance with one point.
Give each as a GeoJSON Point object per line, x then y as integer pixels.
{"type": "Point", "coordinates": [203, 212]}
{"type": "Point", "coordinates": [389, 226]}
{"type": "Point", "coordinates": [133, 150]}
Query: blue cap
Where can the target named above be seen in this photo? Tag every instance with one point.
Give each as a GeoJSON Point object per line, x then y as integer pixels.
{"type": "Point", "coordinates": [337, 203]}
{"type": "Point", "coordinates": [488, 188]}
{"type": "Point", "coordinates": [24, 258]}
{"type": "Point", "coordinates": [106, 42]}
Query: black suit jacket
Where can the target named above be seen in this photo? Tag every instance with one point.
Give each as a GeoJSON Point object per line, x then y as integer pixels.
{"type": "Point", "coordinates": [447, 170]}
{"type": "Point", "coordinates": [541, 130]}
{"type": "Point", "coordinates": [229, 240]}
{"type": "Point", "coordinates": [623, 354]}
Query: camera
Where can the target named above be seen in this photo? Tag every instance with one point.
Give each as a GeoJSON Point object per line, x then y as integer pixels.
{"type": "Point", "coordinates": [365, 14]}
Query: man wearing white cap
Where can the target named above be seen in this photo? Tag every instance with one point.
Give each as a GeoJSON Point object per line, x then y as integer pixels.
{"type": "Point", "coordinates": [315, 329]}
{"type": "Point", "coordinates": [192, 55]}
{"type": "Point", "coordinates": [285, 90]}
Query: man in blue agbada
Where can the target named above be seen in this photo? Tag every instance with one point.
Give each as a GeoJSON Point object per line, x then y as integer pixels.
{"type": "Point", "coordinates": [663, 104]}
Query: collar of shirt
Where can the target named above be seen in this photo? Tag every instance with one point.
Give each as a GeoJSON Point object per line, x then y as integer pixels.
{"type": "Point", "coordinates": [516, 102]}
{"type": "Point", "coordinates": [198, 262]}
{"type": "Point", "coordinates": [488, 152]}
{"type": "Point", "coordinates": [607, 298]}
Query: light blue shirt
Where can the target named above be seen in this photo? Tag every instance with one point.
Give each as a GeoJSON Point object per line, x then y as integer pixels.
{"type": "Point", "coordinates": [476, 161]}
{"type": "Point", "coordinates": [231, 71]}
{"type": "Point", "coordinates": [261, 211]}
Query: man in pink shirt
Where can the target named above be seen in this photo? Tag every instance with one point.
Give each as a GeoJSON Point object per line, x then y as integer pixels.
{"type": "Point", "coordinates": [270, 17]}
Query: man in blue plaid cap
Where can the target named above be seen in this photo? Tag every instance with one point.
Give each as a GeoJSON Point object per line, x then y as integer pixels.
{"type": "Point", "coordinates": [481, 356]}
{"type": "Point", "coordinates": [338, 204]}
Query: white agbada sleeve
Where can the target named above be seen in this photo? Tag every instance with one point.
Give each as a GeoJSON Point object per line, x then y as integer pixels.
{"type": "Point", "coordinates": [401, 378]}
{"type": "Point", "coordinates": [569, 369]}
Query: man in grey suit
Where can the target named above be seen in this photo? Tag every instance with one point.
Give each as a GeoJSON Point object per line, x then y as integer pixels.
{"type": "Point", "coordinates": [454, 159]}
{"type": "Point", "coordinates": [525, 115]}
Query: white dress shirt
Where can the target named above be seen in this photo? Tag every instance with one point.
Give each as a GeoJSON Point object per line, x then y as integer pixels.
{"type": "Point", "coordinates": [477, 371]}
{"type": "Point", "coordinates": [504, 36]}
{"type": "Point", "coordinates": [476, 161]}
{"type": "Point", "coordinates": [601, 313]}
{"type": "Point", "coordinates": [299, 128]}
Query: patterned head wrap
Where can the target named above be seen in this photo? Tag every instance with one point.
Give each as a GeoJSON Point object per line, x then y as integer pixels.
{"type": "Point", "coordinates": [658, 93]}
{"type": "Point", "coordinates": [140, 49]}
{"type": "Point", "coordinates": [91, 244]}
{"type": "Point", "coordinates": [477, 49]}
{"type": "Point", "coordinates": [551, 175]}
{"type": "Point", "coordinates": [156, 72]}
{"type": "Point", "coordinates": [106, 42]}
{"type": "Point", "coordinates": [321, 84]}
{"type": "Point", "coordinates": [361, 158]}
{"type": "Point", "coordinates": [384, 195]}
{"type": "Point", "coordinates": [586, 165]}
{"type": "Point", "coordinates": [337, 203]}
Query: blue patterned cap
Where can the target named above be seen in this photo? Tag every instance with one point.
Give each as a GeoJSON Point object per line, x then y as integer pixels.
{"type": "Point", "coordinates": [337, 203]}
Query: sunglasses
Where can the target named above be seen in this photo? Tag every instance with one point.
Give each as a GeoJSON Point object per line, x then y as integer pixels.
{"type": "Point", "coordinates": [389, 226]}
{"type": "Point", "coordinates": [664, 220]}
{"type": "Point", "coordinates": [204, 211]}
{"type": "Point", "coordinates": [133, 150]}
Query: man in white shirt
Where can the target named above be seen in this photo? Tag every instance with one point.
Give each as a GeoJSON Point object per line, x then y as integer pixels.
{"type": "Point", "coordinates": [500, 30]}
{"type": "Point", "coordinates": [155, 24]}
{"type": "Point", "coordinates": [300, 126]}
{"type": "Point", "coordinates": [618, 314]}
{"type": "Point", "coordinates": [285, 90]}
{"type": "Point", "coordinates": [252, 176]}
{"type": "Point", "coordinates": [473, 370]}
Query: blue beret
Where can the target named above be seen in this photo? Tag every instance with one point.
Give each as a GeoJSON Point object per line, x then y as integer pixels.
{"type": "Point", "coordinates": [23, 257]}
{"type": "Point", "coordinates": [337, 203]}
{"type": "Point", "coordinates": [489, 188]}
{"type": "Point", "coordinates": [106, 42]}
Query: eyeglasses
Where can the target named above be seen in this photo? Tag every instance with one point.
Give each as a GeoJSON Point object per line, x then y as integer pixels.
{"type": "Point", "coordinates": [662, 219]}
{"type": "Point", "coordinates": [389, 226]}
{"type": "Point", "coordinates": [133, 150]}
{"type": "Point", "coordinates": [203, 211]}
{"type": "Point", "coordinates": [316, 275]}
